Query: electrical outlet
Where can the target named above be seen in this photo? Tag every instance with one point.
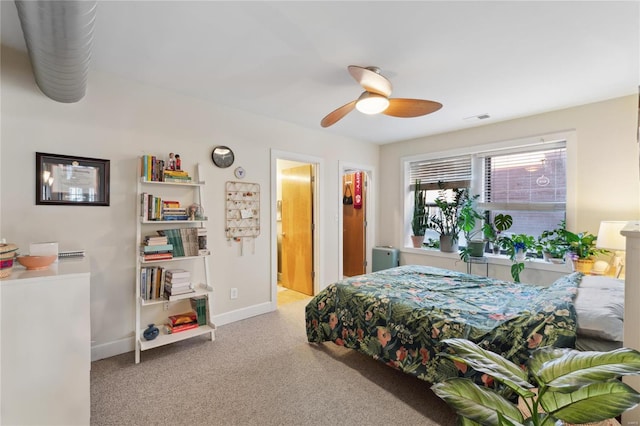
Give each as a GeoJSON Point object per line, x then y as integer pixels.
{"type": "Point", "coordinates": [166, 306]}
{"type": "Point", "coordinates": [234, 293]}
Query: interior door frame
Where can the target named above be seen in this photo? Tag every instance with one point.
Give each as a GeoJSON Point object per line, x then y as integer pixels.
{"type": "Point", "coordinates": [370, 209]}
{"type": "Point", "coordinates": [318, 243]}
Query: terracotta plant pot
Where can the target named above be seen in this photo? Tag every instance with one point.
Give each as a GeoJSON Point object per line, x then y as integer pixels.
{"type": "Point", "coordinates": [417, 240]}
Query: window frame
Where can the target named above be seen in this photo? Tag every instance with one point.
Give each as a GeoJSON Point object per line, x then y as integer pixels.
{"type": "Point", "coordinates": [477, 153]}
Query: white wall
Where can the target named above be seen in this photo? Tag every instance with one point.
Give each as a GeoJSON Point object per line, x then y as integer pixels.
{"type": "Point", "coordinates": [121, 120]}
{"type": "Point", "coordinates": [606, 178]}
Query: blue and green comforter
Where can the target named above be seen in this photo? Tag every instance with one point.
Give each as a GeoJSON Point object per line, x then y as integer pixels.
{"type": "Point", "coordinates": [399, 316]}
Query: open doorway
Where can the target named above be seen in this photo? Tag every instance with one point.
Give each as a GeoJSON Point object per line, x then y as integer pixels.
{"type": "Point", "coordinates": [295, 229]}
{"type": "Point", "coordinates": [356, 220]}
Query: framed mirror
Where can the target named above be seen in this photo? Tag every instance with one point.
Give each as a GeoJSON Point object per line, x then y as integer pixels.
{"type": "Point", "coordinates": [68, 180]}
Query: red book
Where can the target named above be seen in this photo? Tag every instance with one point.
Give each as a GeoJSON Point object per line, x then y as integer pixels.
{"type": "Point", "coordinates": [178, 328]}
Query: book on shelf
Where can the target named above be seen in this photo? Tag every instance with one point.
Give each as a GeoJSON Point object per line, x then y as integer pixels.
{"type": "Point", "coordinates": [171, 329]}
{"type": "Point", "coordinates": [177, 281]}
{"type": "Point", "coordinates": [178, 273]}
{"type": "Point", "coordinates": [157, 256]}
{"type": "Point", "coordinates": [178, 292]}
{"type": "Point", "coordinates": [155, 240]}
{"type": "Point", "coordinates": [151, 168]}
{"type": "Point", "coordinates": [151, 282]}
{"type": "Point", "coordinates": [199, 304]}
{"type": "Point", "coordinates": [183, 318]}
{"type": "Point", "coordinates": [157, 248]}
{"type": "Point", "coordinates": [169, 204]}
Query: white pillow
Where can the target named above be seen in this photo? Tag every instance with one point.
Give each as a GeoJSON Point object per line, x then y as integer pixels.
{"type": "Point", "coordinates": [600, 307]}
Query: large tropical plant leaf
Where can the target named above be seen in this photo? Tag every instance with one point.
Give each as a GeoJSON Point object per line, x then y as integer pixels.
{"type": "Point", "coordinates": [496, 366]}
{"type": "Point", "coordinates": [575, 369]}
{"type": "Point", "coordinates": [503, 222]}
{"type": "Point", "coordinates": [476, 403]}
{"type": "Point", "coordinates": [591, 403]}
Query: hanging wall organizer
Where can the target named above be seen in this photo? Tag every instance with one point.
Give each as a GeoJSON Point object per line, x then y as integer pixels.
{"type": "Point", "coordinates": [242, 210]}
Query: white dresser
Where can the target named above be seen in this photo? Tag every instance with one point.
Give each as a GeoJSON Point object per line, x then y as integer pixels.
{"type": "Point", "coordinates": [45, 345]}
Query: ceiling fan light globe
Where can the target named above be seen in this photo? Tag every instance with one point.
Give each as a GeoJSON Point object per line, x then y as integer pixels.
{"type": "Point", "coordinates": [372, 103]}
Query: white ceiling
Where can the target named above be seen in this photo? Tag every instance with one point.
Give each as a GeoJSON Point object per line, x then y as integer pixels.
{"type": "Point", "coordinates": [288, 60]}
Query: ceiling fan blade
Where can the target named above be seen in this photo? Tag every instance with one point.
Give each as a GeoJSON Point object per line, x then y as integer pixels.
{"type": "Point", "coordinates": [400, 107]}
{"type": "Point", "coordinates": [336, 115]}
{"type": "Point", "coordinates": [371, 79]}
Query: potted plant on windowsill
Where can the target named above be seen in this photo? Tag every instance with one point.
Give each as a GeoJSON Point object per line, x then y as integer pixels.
{"type": "Point", "coordinates": [493, 230]}
{"type": "Point", "coordinates": [469, 218]}
{"type": "Point", "coordinates": [420, 216]}
{"type": "Point", "coordinates": [572, 386]}
{"type": "Point", "coordinates": [582, 248]}
{"type": "Point", "coordinates": [552, 244]}
{"type": "Point", "coordinates": [517, 246]}
{"type": "Point", "coordinates": [446, 221]}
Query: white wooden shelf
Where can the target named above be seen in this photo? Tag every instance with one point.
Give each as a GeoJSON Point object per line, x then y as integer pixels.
{"type": "Point", "coordinates": [155, 182]}
{"type": "Point", "coordinates": [173, 259]}
{"type": "Point", "coordinates": [166, 339]}
{"type": "Point", "coordinates": [148, 311]}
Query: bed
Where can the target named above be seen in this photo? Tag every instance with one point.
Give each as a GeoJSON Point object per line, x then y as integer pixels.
{"type": "Point", "coordinates": [399, 316]}
{"type": "Point", "coordinates": [600, 311]}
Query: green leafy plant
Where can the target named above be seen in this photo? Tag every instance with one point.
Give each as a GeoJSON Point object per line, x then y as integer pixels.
{"type": "Point", "coordinates": [583, 245]}
{"type": "Point", "coordinates": [420, 211]}
{"type": "Point", "coordinates": [493, 230]}
{"type": "Point", "coordinates": [553, 244]}
{"type": "Point", "coordinates": [446, 221]}
{"type": "Point", "coordinates": [572, 386]}
{"type": "Point", "coordinates": [469, 218]}
{"type": "Point", "coordinates": [513, 244]}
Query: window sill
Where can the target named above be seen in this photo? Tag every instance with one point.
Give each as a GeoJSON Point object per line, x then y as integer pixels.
{"type": "Point", "coordinates": [494, 259]}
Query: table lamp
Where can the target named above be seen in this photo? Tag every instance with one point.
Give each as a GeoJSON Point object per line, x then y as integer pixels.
{"type": "Point", "coordinates": [610, 238]}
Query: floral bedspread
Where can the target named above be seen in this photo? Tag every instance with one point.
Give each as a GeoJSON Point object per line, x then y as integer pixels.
{"type": "Point", "coordinates": [399, 316]}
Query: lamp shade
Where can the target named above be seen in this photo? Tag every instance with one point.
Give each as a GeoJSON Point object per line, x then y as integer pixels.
{"type": "Point", "coordinates": [609, 236]}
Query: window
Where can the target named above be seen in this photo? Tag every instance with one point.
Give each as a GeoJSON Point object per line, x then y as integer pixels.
{"type": "Point", "coordinates": [531, 186]}
{"type": "Point", "coordinates": [529, 182]}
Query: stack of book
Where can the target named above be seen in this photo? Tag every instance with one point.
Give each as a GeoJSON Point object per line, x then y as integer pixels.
{"type": "Point", "coordinates": [171, 210]}
{"type": "Point", "coordinates": [179, 176]}
{"type": "Point", "coordinates": [181, 322]}
{"type": "Point", "coordinates": [156, 248]}
{"type": "Point", "coordinates": [199, 304]}
{"type": "Point", "coordinates": [176, 282]}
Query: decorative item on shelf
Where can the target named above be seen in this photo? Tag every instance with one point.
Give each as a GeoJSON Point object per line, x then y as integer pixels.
{"type": "Point", "coordinates": [609, 237]}
{"type": "Point", "coordinates": [420, 215]}
{"type": "Point", "coordinates": [582, 249]}
{"type": "Point", "coordinates": [171, 162]}
{"type": "Point", "coordinates": [36, 263]}
{"type": "Point", "coordinates": [151, 332]}
{"type": "Point", "coordinates": [196, 212]}
{"type": "Point", "coordinates": [560, 386]}
{"type": "Point", "coordinates": [7, 255]}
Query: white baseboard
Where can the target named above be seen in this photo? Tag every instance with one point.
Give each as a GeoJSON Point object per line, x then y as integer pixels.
{"type": "Point", "coordinates": [109, 349]}
{"type": "Point", "coordinates": [244, 313]}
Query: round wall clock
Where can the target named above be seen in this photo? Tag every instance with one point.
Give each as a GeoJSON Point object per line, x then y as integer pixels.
{"type": "Point", "coordinates": [222, 156]}
{"type": "Point", "coordinates": [239, 172]}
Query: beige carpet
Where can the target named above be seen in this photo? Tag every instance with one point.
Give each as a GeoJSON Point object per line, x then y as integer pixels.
{"type": "Point", "coordinates": [260, 371]}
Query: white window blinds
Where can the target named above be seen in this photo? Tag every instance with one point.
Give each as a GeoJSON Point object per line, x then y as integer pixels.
{"type": "Point", "coordinates": [451, 172]}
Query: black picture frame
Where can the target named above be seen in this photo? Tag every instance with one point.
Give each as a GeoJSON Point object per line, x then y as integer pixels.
{"type": "Point", "coordinates": [71, 181]}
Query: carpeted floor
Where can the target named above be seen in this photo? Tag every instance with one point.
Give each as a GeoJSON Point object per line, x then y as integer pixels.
{"type": "Point", "coordinates": [260, 371]}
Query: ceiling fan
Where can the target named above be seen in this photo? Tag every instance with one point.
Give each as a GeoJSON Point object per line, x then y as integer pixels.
{"type": "Point", "coordinates": [375, 98]}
